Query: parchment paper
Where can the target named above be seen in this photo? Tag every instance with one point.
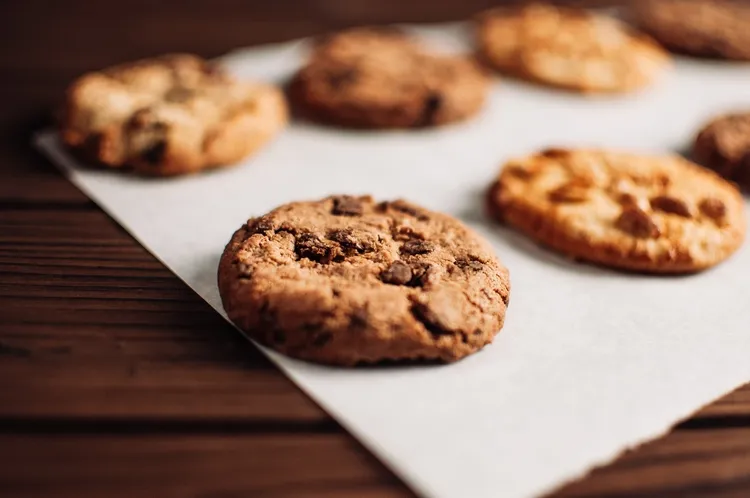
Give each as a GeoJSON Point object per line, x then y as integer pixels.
{"type": "Point", "coordinates": [590, 361]}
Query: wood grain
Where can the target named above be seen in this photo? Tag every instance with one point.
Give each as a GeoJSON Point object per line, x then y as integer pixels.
{"type": "Point", "coordinates": [117, 380]}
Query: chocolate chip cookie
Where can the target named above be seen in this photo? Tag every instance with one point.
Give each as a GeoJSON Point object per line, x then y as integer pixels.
{"type": "Point", "coordinates": [169, 115]}
{"type": "Point", "coordinates": [649, 214]}
{"type": "Point", "coordinates": [703, 28]}
{"type": "Point", "coordinates": [568, 48]}
{"type": "Point", "coordinates": [724, 146]}
{"type": "Point", "coordinates": [346, 280]}
{"type": "Point", "coordinates": [377, 78]}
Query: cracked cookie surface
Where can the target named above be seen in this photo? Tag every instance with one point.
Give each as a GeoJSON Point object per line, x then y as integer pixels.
{"type": "Point", "coordinates": [169, 115]}
{"type": "Point", "coordinates": [346, 280]}
{"type": "Point", "coordinates": [378, 78]}
{"type": "Point", "coordinates": [651, 214]}
{"type": "Point", "coordinates": [568, 48]}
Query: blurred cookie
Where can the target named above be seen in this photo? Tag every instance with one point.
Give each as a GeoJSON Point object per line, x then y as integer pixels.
{"type": "Point", "coordinates": [650, 214]}
{"type": "Point", "coordinates": [724, 146]}
{"type": "Point", "coordinates": [377, 78]}
{"type": "Point", "coordinates": [169, 115]}
{"type": "Point", "coordinates": [704, 28]}
{"type": "Point", "coordinates": [568, 48]}
{"type": "Point", "coordinates": [346, 280]}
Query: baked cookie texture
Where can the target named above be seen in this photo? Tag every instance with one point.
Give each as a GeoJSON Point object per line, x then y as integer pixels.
{"type": "Point", "coordinates": [170, 115]}
{"type": "Point", "coordinates": [703, 28]}
{"type": "Point", "coordinates": [723, 145]}
{"type": "Point", "coordinates": [568, 48]}
{"type": "Point", "coordinates": [346, 280]}
{"type": "Point", "coordinates": [641, 213]}
{"type": "Point", "coordinates": [380, 78]}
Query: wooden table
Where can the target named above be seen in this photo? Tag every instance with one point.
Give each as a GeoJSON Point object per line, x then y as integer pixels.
{"type": "Point", "coordinates": [118, 381]}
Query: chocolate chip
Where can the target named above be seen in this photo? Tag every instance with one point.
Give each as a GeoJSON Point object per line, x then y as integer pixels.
{"type": "Point", "coordinates": [713, 208]}
{"type": "Point", "coordinates": [360, 318]}
{"type": "Point", "coordinates": [349, 240]}
{"type": "Point", "coordinates": [470, 263]}
{"type": "Point", "coordinates": [399, 273]}
{"type": "Point", "coordinates": [417, 247]}
{"type": "Point", "coordinates": [406, 208]}
{"type": "Point", "coordinates": [432, 105]}
{"type": "Point", "coordinates": [405, 232]}
{"type": "Point", "coordinates": [155, 153]}
{"type": "Point", "coordinates": [343, 77]}
{"type": "Point", "coordinates": [670, 205]}
{"type": "Point", "coordinates": [637, 223]}
{"type": "Point", "coordinates": [347, 206]}
{"type": "Point", "coordinates": [311, 247]}
{"type": "Point", "coordinates": [321, 340]}
{"type": "Point", "coordinates": [261, 225]}
{"type": "Point", "coordinates": [267, 322]}
{"type": "Point", "coordinates": [430, 319]}
{"type": "Point", "coordinates": [423, 275]}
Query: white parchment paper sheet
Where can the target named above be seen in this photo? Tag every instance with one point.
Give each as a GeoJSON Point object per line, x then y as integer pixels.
{"type": "Point", "coordinates": [590, 362]}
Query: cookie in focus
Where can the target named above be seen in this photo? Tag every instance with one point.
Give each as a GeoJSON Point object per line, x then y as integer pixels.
{"type": "Point", "coordinates": [345, 280]}
{"type": "Point", "coordinates": [169, 115]}
{"type": "Point", "coordinates": [381, 78]}
{"type": "Point", "coordinates": [632, 212]}
{"type": "Point", "coordinates": [723, 145]}
{"type": "Point", "coordinates": [701, 28]}
{"type": "Point", "coordinates": [568, 48]}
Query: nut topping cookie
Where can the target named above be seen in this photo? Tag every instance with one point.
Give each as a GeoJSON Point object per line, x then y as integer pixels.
{"type": "Point", "coordinates": [380, 78]}
{"type": "Point", "coordinates": [703, 28]}
{"type": "Point", "coordinates": [346, 280]}
{"type": "Point", "coordinates": [568, 48]}
{"type": "Point", "coordinates": [724, 146]}
{"type": "Point", "coordinates": [642, 213]}
{"type": "Point", "coordinates": [169, 115]}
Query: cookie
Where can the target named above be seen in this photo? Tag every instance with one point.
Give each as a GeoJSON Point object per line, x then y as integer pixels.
{"type": "Point", "coordinates": [346, 280]}
{"type": "Point", "coordinates": [724, 146]}
{"type": "Point", "coordinates": [169, 115]}
{"type": "Point", "coordinates": [642, 213]}
{"type": "Point", "coordinates": [702, 28]}
{"type": "Point", "coordinates": [368, 78]}
{"type": "Point", "coordinates": [568, 48]}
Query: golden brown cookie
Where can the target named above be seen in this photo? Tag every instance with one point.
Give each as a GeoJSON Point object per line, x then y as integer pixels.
{"type": "Point", "coordinates": [724, 146]}
{"type": "Point", "coordinates": [703, 28]}
{"type": "Point", "coordinates": [169, 115]}
{"type": "Point", "coordinates": [568, 48]}
{"type": "Point", "coordinates": [346, 280]}
{"type": "Point", "coordinates": [368, 78]}
{"type": "Point", "coordinates": [650, 214]}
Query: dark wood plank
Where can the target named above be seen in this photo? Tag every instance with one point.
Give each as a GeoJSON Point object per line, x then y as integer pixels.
{"type": "Point", "coordinates": [94, 326]}
{"type": "Point", "coordinates": [119, 381]}
{"type": "Point", "coordinates": [293, 465]}
{"type": "Point", "coordinates": [686, 463]}
{"type": "Point", "coordinates": [214, 465]}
